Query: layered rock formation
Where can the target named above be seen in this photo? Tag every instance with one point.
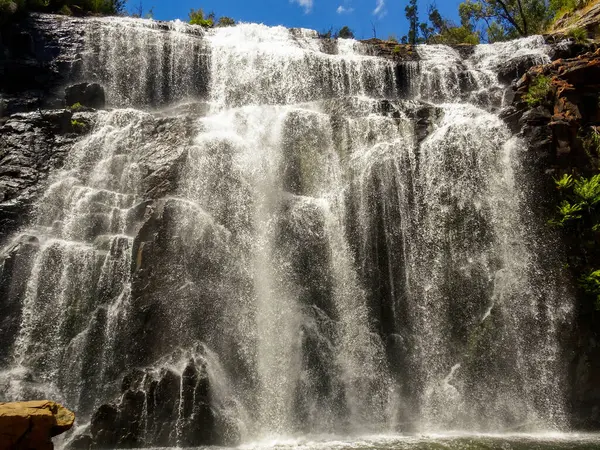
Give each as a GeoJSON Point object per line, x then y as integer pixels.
{"type": "Point", "coordinates": [32, 425]}
{"type": "Point", "coordinates": [587, 18]}
{"type": "Point", "coordinates": [557, 128]}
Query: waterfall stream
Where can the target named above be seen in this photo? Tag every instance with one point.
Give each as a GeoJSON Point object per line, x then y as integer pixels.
{"type": "Point", "coordinates": [283, 236]}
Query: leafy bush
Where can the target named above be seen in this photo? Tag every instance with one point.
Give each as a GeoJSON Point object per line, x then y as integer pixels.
{"type": "Point", "coordinates": [197, 18]}
{"type": "Point", "coordinates": [538, 91]}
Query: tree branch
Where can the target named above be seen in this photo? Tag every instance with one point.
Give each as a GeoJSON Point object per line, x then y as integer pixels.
{"type": "Point", "coordinates": [511, 19]}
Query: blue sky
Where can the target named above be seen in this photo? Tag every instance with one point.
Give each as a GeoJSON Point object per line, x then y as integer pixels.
{"type": "Point", "coordinates": [387, 15]}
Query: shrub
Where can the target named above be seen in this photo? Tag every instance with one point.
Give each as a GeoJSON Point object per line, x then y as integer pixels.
{"type": "Point", "coordinates": [197, 18]}
{"type": "Point", "coordinates": [345, 33]}
{"type": "Point", "coordinates": [75, 106]}
{"type": "Point", "coordinates": [578, 34]}
{"type": "Point", "coordinates": [392, 38]}
{"type": "Point", "coordinates": [538, 91]}
{"type": "Point", "coordinates": [225, 22]}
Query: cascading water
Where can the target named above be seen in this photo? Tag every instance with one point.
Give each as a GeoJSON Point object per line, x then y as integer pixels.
{"type": "Point", "coordinates": [286, 247]}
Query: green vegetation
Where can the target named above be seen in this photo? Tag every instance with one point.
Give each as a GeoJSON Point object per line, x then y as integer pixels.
{"type": "Point", "coordinates": [197, 17]}
{"type": "Point", "coordinates": [560, 8]}
{"type": "Point", "coordinates": [489, 21]}
{"type": "Point", "coordinates": [591, 143]}
{"type": "Point", "coordinates": [578, 34]}
{"type": "Point", "coordinates": [345, 33]}
{"type": "Point", "coordinates": [225, 22]}
{"type": "Point", "coordinates": [538, 91]}
{"type": "Point", "coordinates": [75, 106]}
{"type": "Point", "coordinates": [77, 125]}
{"type": "Point", "coordinates": [591, 285]}
{"type": "Point", "coordinates": [16, 8]}
{"type": "Point", "coordinates": [437, 30]}
{"type": "Point", "coordinates": [578, 214]}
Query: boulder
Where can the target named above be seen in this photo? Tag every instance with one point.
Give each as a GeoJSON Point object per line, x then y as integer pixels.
{"type": "Point", "coordinates": [31, 425]}
{"type": "Point", "coordinates": [515, 67]}
{"type": "Point", "coordinates": [86, 94]}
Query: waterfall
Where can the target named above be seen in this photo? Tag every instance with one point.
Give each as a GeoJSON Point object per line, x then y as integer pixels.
{"type": "Point", "coordinates": [269, 234]}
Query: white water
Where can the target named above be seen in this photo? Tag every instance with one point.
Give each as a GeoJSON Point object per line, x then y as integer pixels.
{"type": "Point", "coordinates": [291, 237]}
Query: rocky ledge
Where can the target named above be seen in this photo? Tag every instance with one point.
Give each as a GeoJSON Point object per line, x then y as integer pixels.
{"type": "Point", "coordinates": [557, 111]}
{"type": "Point", "coordinates": [32, 425]}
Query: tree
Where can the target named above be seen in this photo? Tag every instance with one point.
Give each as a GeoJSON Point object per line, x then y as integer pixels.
{"type": "Point", "coordinates": [345, 33]}
{"type": "Point", "coordinates": [505, 19]}
{"type": "Point", "coordinates": [412, 14]}
{"type": "Point", "coordinates": [439, 30]}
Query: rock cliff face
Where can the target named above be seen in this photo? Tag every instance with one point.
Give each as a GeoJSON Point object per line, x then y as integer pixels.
{"type": "Point", "coordinates": [32, 425]}
{"type": "Point", "coordinates": [141, 241]}
{"type": "Point", "coordinates": [556, 128]}
{"type": "Point", "coordinates": [587, 18]}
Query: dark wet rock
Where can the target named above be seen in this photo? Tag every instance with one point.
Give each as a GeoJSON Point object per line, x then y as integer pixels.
{"type": "Point", "coordinates": [553, 131]}
{"type": "Point", "coordinates": [33, 145]}
{"type": "Point", "coordinates": [165, 409]}
{"type": "Point", "coordinates": [38, 56]}
{"type": "Point", "coordinates": [511, 116]}
{"type": "Point", "coordinates": [13, 283]}
{"type": "Point", "coordinates": [516, 67]}
{"type": "Point", "coordinates": [391, 50]}
{"type": "Point", "coordinates": [84, 442]}
{"type": "Point", "coordinates": [425, 117]}
{"type": "Point", "coordinates": [85, 94]}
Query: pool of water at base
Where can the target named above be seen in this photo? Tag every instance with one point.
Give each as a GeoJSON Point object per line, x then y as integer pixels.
{"type": "Point", "coordinates": [434, 442]}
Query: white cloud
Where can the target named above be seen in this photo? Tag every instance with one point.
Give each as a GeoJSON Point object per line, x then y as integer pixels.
{"type": "Point", "coordinates": [380, 10]}
{"type": "Point", "coordinates": [343, 10]}
{"type": "Point", "coordinates": [306, 4]}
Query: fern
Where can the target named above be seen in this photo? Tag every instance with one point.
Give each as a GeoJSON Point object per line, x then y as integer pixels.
{"type": "Point", "coordinates": [591, 285]}
{"type": "Point", "coordinates": [588, 190]}
{"type": "Point", "coordinates": [565, 182]}
{"type": "Point", "coordinates": [568, 211]}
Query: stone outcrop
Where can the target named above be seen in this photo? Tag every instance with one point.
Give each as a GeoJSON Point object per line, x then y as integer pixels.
{"type": "Point", "coordinates": [31, 425]}
{"type": "Point", "coordinates": [160, 408]}
{"type": "Point", "coordinates": [85, 94]}
{"type": "Point", "coordinates": [556, 129]}
{"type": "Point", "coordinates": [587, 18]}
{"type": "Point", "coordinates": [553, 126]}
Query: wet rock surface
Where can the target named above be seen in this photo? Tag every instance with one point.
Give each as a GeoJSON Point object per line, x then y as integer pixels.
{"type": "Point", "coordinates": [33, 145]}
{"type": "Point", "coordinates": [555, 133]}
{"type": "Point", "coordinates": [38, 55]}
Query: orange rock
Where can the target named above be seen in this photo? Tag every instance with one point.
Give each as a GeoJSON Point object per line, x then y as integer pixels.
{"type": "Point", "coordinates": [31, 425]}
